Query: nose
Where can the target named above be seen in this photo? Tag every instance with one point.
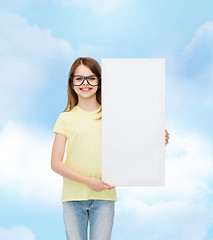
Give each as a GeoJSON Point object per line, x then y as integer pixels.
{"type": "Point", "coordinates": [85, 81]}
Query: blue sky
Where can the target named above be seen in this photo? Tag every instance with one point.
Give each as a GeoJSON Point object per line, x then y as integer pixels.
{"type": "Point", "coordinates": [39, 40]}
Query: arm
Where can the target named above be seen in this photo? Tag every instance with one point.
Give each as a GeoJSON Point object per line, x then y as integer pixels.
{"type": "Point", "coordinates": [62, 169]}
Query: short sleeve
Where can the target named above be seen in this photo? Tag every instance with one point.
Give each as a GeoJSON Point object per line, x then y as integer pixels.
{"type": "Point", "coordinates": [60, 126]}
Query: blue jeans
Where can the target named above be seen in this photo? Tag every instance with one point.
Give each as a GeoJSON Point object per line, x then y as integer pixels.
{"type": "Point", "coordinates": [100, 214]}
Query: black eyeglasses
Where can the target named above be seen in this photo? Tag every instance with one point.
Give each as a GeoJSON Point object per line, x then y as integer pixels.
{"type": "Point", "coordinates": [78, 80]}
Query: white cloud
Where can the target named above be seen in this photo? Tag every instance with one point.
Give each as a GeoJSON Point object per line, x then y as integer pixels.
{"type": "Point", "coordinates": [28, 59]}
{"type": "Point", "coordinates": [203, 37]}
{"type": "Point", "coordinates": [197, 56]}
{"type": "Point", "coordinates": [190, 72]}
{"type": "Point", "coordinates": [26, 163]}
{"type": "Point", "coordinates": [198, 53]}
{"type": "Point", "coordinates": [184, 201]}
{"type": "Point", "coordinates": [100, 7]}
{"type": "Point", "coordinates": [20, 233]}
{"type": "Point", "coordinates": [27, 54]}
{"type": "Point", "coordinates": [177, 220]}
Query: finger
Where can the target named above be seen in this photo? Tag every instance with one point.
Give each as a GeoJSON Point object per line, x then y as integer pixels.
{"type": "Point", "coordinates": [106, 184]}
{"type": "Point", "coordinates": [109, 186]}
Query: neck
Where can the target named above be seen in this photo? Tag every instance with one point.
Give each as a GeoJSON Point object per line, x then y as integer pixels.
{"type": "Point", "coordinates": [90, 104]}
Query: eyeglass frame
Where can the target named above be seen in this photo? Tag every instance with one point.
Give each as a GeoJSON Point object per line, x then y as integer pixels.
{"type": "Point", "coordinates": [84, 77]}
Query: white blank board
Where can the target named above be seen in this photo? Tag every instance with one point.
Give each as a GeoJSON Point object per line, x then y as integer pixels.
{"type": "Point", "coordinates": [133, 121]}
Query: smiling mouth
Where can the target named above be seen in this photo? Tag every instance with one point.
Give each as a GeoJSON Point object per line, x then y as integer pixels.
{"type": "Point", "coordinates": [85, 89]}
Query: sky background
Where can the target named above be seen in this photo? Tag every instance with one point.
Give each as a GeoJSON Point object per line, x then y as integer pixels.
{"type": "Point", "coordinates": [39, 40]}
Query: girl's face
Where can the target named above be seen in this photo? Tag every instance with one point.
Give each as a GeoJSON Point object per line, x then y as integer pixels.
{"type": "Point", "coordinates": [84, 71]}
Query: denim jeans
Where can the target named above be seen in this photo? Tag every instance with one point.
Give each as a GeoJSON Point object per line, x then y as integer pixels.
{"type": "Point", "coordinates": [99, 213]}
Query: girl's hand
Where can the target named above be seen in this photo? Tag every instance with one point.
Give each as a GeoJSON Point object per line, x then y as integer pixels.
{"type": "Point", "coordinates": [166, 137]}
{"type": "Point", "coordinates": [97, 184]}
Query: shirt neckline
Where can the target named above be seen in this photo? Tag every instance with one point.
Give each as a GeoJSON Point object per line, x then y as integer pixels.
{"type": "Point", "coordinates": [86, 112]}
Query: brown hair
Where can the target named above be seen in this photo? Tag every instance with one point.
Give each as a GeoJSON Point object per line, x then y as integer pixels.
{"type": "Point", "coordinates": [94, 66]}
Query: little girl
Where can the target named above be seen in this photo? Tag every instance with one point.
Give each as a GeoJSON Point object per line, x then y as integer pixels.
{"type": "Point", "coordinates": [85, 196]}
